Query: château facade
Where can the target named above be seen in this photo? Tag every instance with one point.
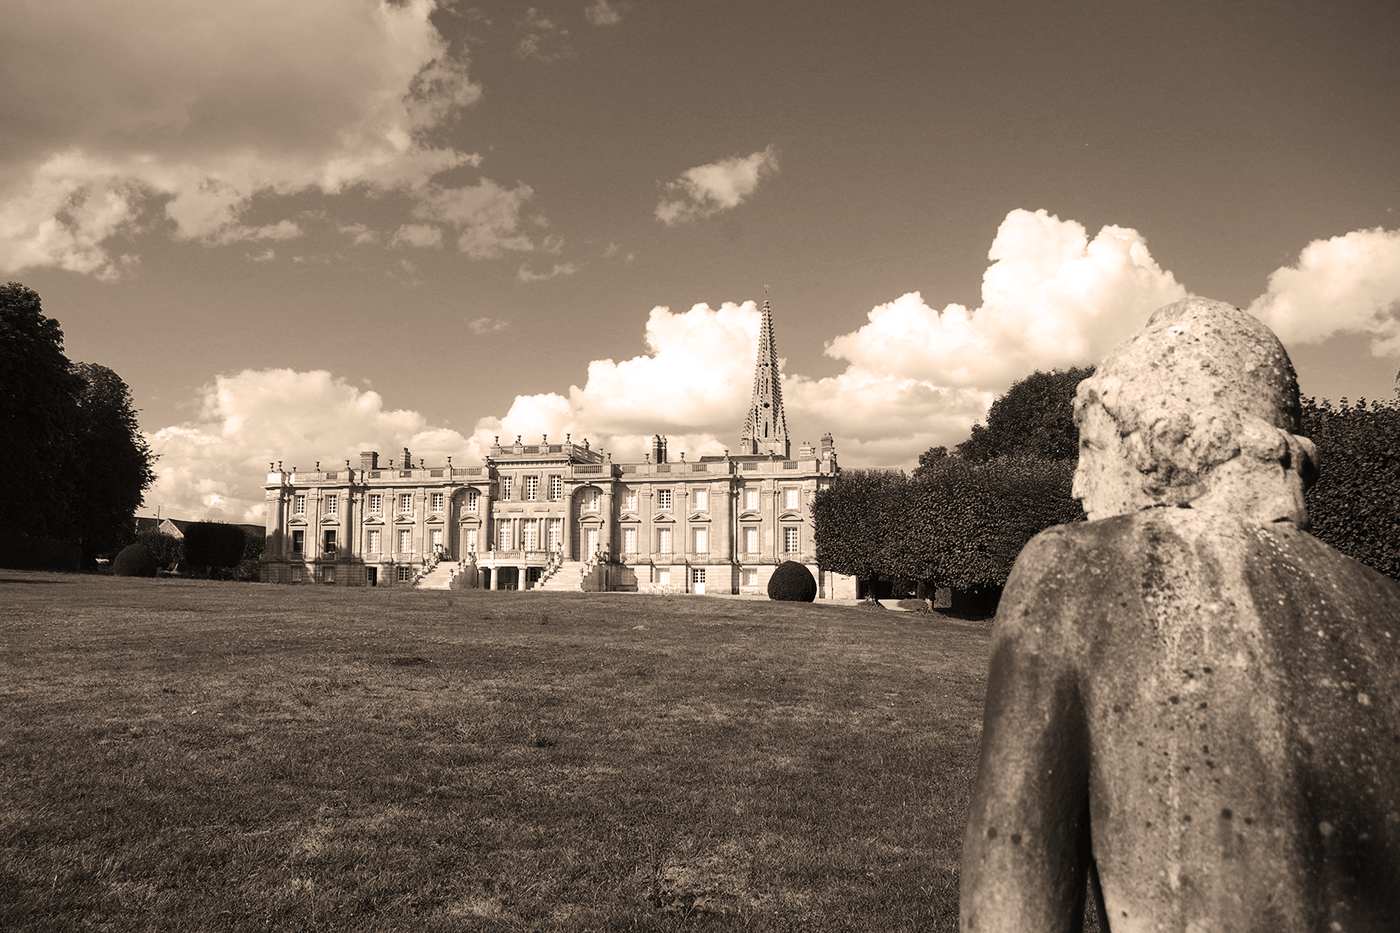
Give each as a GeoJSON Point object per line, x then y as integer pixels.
{"type": "Point", "coordinates": [563, 515]}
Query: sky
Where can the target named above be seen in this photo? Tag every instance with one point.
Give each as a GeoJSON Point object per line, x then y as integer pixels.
{"type": "Point", "coordinates": [301, 230]}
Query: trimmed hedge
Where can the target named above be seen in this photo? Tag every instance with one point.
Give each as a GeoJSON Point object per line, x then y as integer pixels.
{"type": "Point", "coordinates": [135, 561]}
{"type": "Point", "coordinates": [213, 545]}
{"type": "Point", "coordinates": [792, 582]}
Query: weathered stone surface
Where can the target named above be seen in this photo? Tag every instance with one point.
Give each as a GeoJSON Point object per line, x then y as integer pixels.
{"type": "Point", "coordinates": [1191, 700]}
{"type": "Point", "coordinates": [1200, 407]}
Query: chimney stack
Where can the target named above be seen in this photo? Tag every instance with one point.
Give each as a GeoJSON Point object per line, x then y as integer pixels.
{"type": "Point", "coordinates": [369, 460]}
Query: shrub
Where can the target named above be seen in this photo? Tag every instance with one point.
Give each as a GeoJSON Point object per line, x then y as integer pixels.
{"type": "Point", "coordinates": [792, 582]}
{"type": "Point", "coordinates": [166, 549]}
{"type": "Point", "coordinates": [213, 545]}
{"type": "Point", "coordinates": [135, 561]}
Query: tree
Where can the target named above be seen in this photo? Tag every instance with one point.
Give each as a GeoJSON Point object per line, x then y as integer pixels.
{"type": "Point", "coordinates": [1035, 418]}
{"type": "Point", "coordinates": [38, 409]}
{"type": "Point", "coordinates": [930, 460]}
{"type": "Point", "coordinates": [213, 545]}
{"type": "Point", "coordinates": [1355, 503]}
{"type": "Point", "coordinates": [112, 463]}
{"type": "Point", "coordinates": [166, 549]}
{"type": "Point", "coordinates": [849, 519]}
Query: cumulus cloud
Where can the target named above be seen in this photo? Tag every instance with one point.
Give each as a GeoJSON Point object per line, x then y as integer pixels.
{"type": "Point", "coordinates": [1347, 284]}
{"type": "Point", "coordinates": [213, 465]}
{"type": "Point", "coordinates": [168, 115]}
{"type": "Point", "coordinates": [708, 189]}
{"type": "Point", "coordinates": [915, 377]}
{"type": "Point", "coordinates": [1051, 298]}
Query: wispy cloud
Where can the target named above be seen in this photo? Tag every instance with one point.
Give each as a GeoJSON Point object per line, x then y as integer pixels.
{"type": "Point", "coordinates": [524, 274]}
{"type": "Point", "coordinates": [487, 325]}
{"type": "Point", "coordinates": [420, 235]}
{"type": "Point", "coordinates": [603, 13]}
{"type": "Point", "coordinates": [487, 217]}
{"type": "Point", "coordinates": [544, 38]}
{"type": "Point", "coordinates": [719, 186]}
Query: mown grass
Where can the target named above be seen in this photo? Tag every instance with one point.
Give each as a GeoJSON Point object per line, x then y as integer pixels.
{"type": "Point", "coordinates": [179, 755]}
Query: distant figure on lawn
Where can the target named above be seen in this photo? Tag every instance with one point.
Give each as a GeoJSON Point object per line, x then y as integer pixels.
{"type": "Point", "coordinates": [1191, 700]}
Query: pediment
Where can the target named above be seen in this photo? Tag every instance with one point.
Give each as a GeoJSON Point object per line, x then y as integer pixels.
{"type": "Point", "coordinates": [699, 517]}
{"type": "Point", "coordinates": [373, 520]}
{"type": "Point", "coordinates": [750, 517]}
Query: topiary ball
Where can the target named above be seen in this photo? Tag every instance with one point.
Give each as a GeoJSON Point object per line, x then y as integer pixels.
{"type": "Point", "coordinates": [135, 561]}
{"type": "Point", "coordinates": [792, 582]}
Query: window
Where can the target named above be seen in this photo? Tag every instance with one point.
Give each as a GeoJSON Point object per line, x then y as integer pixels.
{"type": "Point", "coordinates": [792, 498]}
{"type": "Point", "coordinates": [376, 503]}
{"type": "Point", "coordinates": [629, 501]}
{"type": "Point", "coordinates": [556, 534]}
{"type": "Point", "coordinates": [373, 544]}
{"type": "Point", "coordinates": [751, 577]}
{"type": "Point", "coordinates": [298, 542]}
{"type": "Point", "coordinates": [298, 574]}
{"type": "Point", "coordinates": [700, 499]}
{"type": "Point", "coordinates": [437, 501]}
{"type": "Point", "coordinates": [436, 538]}
{"type": "Point", "coordinates": [327, 574]}
{"type": "Point", "coordinates": [663, 499]}
{"type": "Point", "coordinates": [505, 487]}
{"type": "Point", "coordinates": [664, 576]}
{"type": "Point", "coordinates": [331, 502]}
{"type": "Point", "coordinates": [663, 541]}
{"type": "Point", "coordinates": [750, 540]}
{"type": "Point", "coordinates": [473, 500]}
{"type": "Point", "coordinates": [405, 540]}
{"type": "Point", "coordinates": [405, 574]}
{"type": "Point", "coordinates": [751, 499]}
{"type": "Point", "coordinates": [530, 534]}
{"type": "Point", "coordinates": [300, 508]}
{"type": "Point", "coordinates": [504, 536]}
{"type": "Point", "coordinates": [629, 540]}
{"type": "Point", "coordinates": [590, 500]}
{"type": "Point", "coordinates": [328, 542]}
{"type": "Point", "coordinates": [556, 488]}
{"type": "Point", "coordinates": [702, 540]}
{"type": "Point", "coordinates": [789, 540]}
{"type": "Point", "coordinates": [405, 502]}
{"type": "Point", "coordinates": [471, 540]}
{"type": "Point", "coordinates": [532, 488]}
{"type": "Point", "coordinates": [697, 575]}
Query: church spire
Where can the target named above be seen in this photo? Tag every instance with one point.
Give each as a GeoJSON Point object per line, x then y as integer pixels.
{"type": "Point", "coordinates": [765, 427]}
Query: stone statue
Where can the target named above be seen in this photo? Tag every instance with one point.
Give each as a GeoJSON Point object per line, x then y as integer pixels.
{"type": "Point", "coordinates": [1191, 701]}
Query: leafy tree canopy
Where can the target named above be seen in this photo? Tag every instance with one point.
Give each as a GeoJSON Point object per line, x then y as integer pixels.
{"type": "Point", "coordinates": [112, 463]}
{"type": "Point", "coordinates": [84, 465]}
{"type": "Point", "coordinates": [1035, 418]}
{"type": "Point", "coordinates": [38, 410]}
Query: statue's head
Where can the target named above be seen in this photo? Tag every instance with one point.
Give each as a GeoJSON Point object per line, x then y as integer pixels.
{"type": "Point", "coordinates": [1199, 409]}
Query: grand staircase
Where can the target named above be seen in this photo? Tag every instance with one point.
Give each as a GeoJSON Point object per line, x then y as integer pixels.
{"type": "Point", "coordinates": [439, 578]}
{"type": "Point", "coordinates": [563, 580]}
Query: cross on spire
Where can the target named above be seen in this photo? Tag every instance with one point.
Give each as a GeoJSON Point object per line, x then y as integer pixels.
{"type": "Point", "coordinates": [765, 427]}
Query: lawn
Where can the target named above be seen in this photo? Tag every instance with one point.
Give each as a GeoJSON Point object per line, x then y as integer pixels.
{"type": "Point", "coordinates": [189, 755]}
